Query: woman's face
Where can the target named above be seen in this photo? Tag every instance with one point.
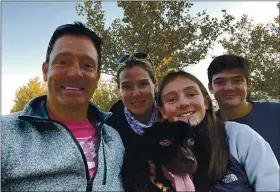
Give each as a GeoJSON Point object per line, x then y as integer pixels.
{"type": "Point", "coordinates": [182, 100]}
{"type": "Point", "coordinates": [137, 90]}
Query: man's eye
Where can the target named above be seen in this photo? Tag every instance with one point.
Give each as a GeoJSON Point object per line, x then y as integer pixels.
{"type": "Point", "coordinates": [89, 65]}
{"type": "Point", "coordinates": [62, 62]}
{"type": "Point", "coordinates": [219, 82]}
{"type": "Point", "coordinates": [165, 142]}
{"type": "Point", "coordinates": [238, 81]}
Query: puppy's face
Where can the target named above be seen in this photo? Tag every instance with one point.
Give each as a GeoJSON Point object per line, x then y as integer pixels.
{"type": "Point", "coordinates": [171, 144]}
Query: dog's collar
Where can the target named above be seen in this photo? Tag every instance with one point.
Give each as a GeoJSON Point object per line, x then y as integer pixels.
{"type": "Point", "coordinates": [159, 185]}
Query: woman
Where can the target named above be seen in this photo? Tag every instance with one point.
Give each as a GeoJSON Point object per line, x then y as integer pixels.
{"type": "Point", "coordinates": [231, 156]}
{"type": "Point", "coordinates": [135, 112]}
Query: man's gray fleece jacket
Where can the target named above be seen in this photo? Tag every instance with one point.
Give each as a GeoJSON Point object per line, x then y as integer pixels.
{"type": "Point", "coordinates": [39, 154]}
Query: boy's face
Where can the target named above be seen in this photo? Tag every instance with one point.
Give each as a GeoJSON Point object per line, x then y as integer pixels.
{"type": "Point", "coordinates": [229, 88]}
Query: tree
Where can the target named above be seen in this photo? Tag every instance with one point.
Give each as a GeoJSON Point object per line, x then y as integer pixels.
{"type": "Point", "coordinates": [106, 95]}
{"type": "Point", "coordinates": [27, 92]}
{"type": "Point", "coordinates": [259, 43]}
{"type": "Point", "coordinates": [164, 29]}
{"type": "Point", "coordinates": [277, 18]}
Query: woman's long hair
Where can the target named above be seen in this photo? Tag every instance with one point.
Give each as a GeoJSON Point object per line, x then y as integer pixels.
{"type": "Point", "coordinates": [211, 149]}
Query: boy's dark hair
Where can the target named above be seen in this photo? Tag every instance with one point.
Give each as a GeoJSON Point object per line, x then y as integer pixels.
{"type": "Point", "coordinates": [227, 62]}
{"type": "Point", "coordinates": [79, 29]}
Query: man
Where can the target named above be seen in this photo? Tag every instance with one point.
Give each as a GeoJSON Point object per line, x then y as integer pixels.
{"type": "Point", "coordinates": [229, 81]}
{"type": "Point", "coordinates": [60, 141]}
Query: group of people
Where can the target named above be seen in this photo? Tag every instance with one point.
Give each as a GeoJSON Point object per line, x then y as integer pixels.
{"type": "Point", "coordinates": [63, 142]}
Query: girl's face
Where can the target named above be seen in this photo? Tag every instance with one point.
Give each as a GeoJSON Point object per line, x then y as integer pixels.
{"type": "Point", "coordinates": [182, 100]}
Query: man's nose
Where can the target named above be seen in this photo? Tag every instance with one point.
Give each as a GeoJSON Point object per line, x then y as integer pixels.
{"type": "Point", "coordinates": [75, 69]}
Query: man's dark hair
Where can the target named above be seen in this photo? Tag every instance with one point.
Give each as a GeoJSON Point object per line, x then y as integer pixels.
{"type": "Point", "coordinates": [79, 29]}
{"type": "Point", "coordinates": [227, 62]}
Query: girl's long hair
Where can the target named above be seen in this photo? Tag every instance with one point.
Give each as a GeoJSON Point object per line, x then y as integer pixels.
{"type": "Point", "coordinates": [211, 149]}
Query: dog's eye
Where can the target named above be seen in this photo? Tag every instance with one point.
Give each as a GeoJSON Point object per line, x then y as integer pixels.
{"type": "Point", "coordinates": [190, 141]}
{"type": "Point", "coordinates": [165, 142]}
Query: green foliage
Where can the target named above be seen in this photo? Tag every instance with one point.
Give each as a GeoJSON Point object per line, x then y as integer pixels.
{"type": "Point", "coordinates": [27, 92]}
{"type": "Point", "coordinates": [259, 43]}
{"type": "Point", "coordinates": [106, 95]}
{"type": "Point", "coordinates": [164, 29]}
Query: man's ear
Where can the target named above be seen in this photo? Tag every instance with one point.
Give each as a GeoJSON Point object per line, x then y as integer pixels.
{"type": "Point", "coordinates": [45, 68]}
{"type": "Point", "coordinates": [207, 101]}
{"type": "Point", "coordinates": [249, 84]}
{"type": "Point", "coordinates": [98, 77]}
{"type": "Point", "coordinates": [210, 88]}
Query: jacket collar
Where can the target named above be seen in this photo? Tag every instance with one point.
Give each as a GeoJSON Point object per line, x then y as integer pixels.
{"type": "Point", "coordinates": [36, 108]}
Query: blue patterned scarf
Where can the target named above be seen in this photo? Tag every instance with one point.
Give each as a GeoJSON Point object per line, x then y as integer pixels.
{"type": "Point", "coordinates": [137, 126]}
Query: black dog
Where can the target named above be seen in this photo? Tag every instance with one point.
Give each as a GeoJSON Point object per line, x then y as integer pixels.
{"type": "Point", "coordinates": [169, 144]}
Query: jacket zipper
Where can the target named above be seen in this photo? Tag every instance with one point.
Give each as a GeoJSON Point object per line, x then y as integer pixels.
{"type": "Point", "coordinates": [89, 186]}
{"type": "Point", "coordinates": [105, 164]}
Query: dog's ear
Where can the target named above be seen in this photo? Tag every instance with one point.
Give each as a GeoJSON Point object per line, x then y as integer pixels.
{"type": "Point", "coordinates": [185, 129]}
{"type": "Point", "coordinates": [163, 130]}
{"type": "Point", "coordinates": [153, 133]}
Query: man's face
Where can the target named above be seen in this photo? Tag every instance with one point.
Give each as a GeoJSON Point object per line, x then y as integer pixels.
{"type": "Point", "coordinates": [229, 88]}
{"type": "Point", "coordinates": [71, 73]}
